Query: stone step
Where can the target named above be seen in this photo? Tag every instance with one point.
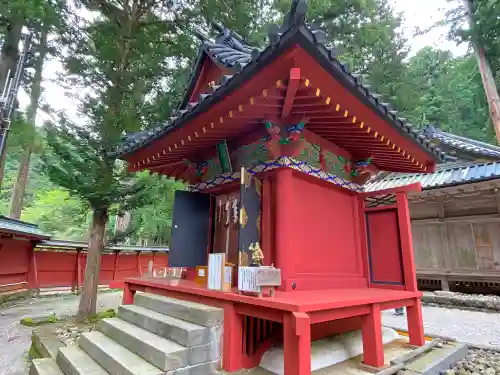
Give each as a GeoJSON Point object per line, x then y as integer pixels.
{"type": "Point", "coordinates": [113, 357]}
{"type": "Point", "coordinates": [163, 353]}
{"type": "Point", "coordinates": [177, 330]}
{"type": "Point", "coordinates": [45, 366]}
{"type": "Point", "coordinates": [74, 361]}
{"type": "Point", "coordinates": [196, 313]}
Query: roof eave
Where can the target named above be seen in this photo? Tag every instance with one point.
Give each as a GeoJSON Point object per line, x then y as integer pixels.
{"type": "Point", "coordinates": [334, 67]}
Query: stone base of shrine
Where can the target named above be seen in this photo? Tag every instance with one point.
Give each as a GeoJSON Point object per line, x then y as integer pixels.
{"type": "Point", "coordinates": [399, 356]}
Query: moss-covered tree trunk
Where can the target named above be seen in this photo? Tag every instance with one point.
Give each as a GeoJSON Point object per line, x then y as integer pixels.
{"type": "Point", "coordinates": [88, 298]}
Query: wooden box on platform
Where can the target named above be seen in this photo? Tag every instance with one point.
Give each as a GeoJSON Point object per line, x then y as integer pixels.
{"type": "Point", "coordinates": [260, 281]}
{"type": "Point", "coordinates": [201, 275]}
{"type": "Point", "coordinates": [276, 149]}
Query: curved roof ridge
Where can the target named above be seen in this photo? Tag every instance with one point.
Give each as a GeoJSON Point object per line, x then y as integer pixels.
{"type": "Point", "coordinates": [460, 142]}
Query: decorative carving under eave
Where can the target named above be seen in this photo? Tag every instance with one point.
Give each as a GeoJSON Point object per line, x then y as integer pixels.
{"type": "Point", "coordinates": [361, 170]}
{"type": "Point", "coordinates": [198, 170]}
{"type": "Point", "coordinates": [284, 141]}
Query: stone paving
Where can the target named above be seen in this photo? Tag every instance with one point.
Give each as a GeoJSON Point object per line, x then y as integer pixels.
{"type": "Point", "coordinates": [474, 327]}
{"type": "Point", "coordinates": [15, 339]}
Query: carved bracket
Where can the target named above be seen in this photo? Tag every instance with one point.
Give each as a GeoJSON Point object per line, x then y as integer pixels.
{"type": "Point", "coordinates": [284, 140]}
{"type": "Point", "coordinates": [198, 169]}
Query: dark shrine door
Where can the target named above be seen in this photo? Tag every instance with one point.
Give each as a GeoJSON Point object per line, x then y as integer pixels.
{"type": "Point", "coordinates": [190, 230]}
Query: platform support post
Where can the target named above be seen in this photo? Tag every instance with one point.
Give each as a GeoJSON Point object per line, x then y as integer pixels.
{"type": "Point", "coordinates": [373, 347]}
{"type": "Point", "coordinates": [232, 356]}
{"type": "Point", "coordinates": [415, 324]}
{"type": "Point", "coordinates": [297, 343]}
{"type": "Point", "coordinates": [128, 294]}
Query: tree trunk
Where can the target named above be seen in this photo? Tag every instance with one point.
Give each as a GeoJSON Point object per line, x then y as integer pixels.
{"type": "Point", "coordinates": [88, 298]}
{"type": "Point", "coordinates": [486, 75]}
{"type": "Point", "coordinates": [16, 204]}
{"type": "Point", "coordinates": [8, 59]}
{"type": "Point", "coordinates": [24, 166]}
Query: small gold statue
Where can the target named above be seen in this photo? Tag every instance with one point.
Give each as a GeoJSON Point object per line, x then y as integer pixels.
{"type": "Point", "coordinates": [257, 255]}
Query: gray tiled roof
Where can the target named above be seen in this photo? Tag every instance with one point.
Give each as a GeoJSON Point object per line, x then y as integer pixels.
{"type": "Point", "coordinates": [293, 31]}
{"type": "Point", "coordinates": [229, 50]}
{"type": "Point", "coordinates": [448, 174]}
{"type": "Point", "coordinates": [462, 143]}
{"type": "Point", "coordinates": [20, 227]}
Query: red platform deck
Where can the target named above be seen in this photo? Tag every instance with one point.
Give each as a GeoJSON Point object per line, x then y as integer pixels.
{"type": "Point", "coordinates": [298, 312]}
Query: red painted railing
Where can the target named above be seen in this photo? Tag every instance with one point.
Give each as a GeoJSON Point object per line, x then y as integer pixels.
{"type": "Point", "coordinates": [22, 267]}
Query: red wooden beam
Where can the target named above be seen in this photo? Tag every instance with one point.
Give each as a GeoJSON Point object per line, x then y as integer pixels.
{"type": "Point", "coordinates": [325, 144]}
{"type": "Point", "coordinates": [293, 85]}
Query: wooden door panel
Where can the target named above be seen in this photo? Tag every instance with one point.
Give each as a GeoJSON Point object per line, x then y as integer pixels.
{"type": "Point", "coordinates": [384, 248]}
{"type": "Point", "coordinates": [190, 225]}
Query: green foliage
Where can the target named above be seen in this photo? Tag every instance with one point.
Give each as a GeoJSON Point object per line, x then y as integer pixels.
{"type": "Point", "coordinates": [447, 91]}
{"type": "Point", "coordinates": [34, 322]}
{"type": "Point", "coordinates": [485, 27]}
{"type": "Point", "coordinates": [28, 322]}
{"type": "Point", "coordinates": [109, 313]}
{"type": "Point", "coordinates": [59, 214]}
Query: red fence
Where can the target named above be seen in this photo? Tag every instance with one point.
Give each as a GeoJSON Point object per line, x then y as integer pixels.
{"type": "Point", "coordinates": [21, 267]}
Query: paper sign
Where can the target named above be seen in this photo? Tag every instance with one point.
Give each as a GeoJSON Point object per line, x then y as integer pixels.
{"type": "Point", "coordinates": [216, 264]}
{"type": "Point", "coordinates": [247, 279]}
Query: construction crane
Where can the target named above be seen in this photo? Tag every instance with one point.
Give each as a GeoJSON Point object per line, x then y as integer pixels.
{"type": "Point", "coordinates": [9, 91]}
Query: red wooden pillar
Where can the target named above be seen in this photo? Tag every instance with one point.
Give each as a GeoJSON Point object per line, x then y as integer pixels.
{"type": "Point", "coordinates": [32, 271]}
{"type": "Point", "coordinates": [415, 323]}
{"type": "Point", "coordinates": [128, 294]}
{"type": "Point", "coordinates": [139, 268]}
{"type": "Point", "coordinates": [284, 226]}
{"type": "Point", "coordinates": [297, 343]}
{"type": "Point", "coordinates": [361, 235]}
{"type": "Point", "coordinates": [232, 346]}
{"type": "Point", "coordinates": [410, 273]}
{"type": "Point", "coordinates": [373, 347]}
{"type": "Point", "coordinates": [79, 261]}
{"type": "Point", "coordinates": [115, 263]}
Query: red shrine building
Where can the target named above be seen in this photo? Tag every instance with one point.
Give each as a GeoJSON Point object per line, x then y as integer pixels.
{"type": "Point", "coordinates": [305, 134]}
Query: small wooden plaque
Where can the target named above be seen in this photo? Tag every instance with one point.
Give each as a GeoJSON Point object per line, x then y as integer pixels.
{"type": "Point", "coordinates": [228, 279]}
{"type": "Point", "coordinates": [201, 275]}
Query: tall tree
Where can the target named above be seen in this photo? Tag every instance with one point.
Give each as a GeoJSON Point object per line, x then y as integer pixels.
{"type": "Point", "coordinates": [121, 55]}
{"type": "Point", "coordinates": [490, 88]}
{"type": "Point", "coordinates": [477, 22]}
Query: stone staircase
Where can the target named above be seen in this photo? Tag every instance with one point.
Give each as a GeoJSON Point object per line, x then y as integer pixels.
{"type": "Point", "coordinates": [156, 335]}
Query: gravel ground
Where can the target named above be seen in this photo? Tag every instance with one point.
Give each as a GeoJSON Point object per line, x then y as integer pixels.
{"type": "Point", "coordinates": [474, 327]}
{"type": "Point", "coordinates": [478, 362]}
{"type": "Point", "coordinates": [15, 339]}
